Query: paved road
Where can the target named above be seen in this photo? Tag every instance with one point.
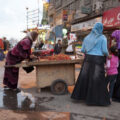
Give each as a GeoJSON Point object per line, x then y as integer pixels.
{"type": "Point", "coordinates": [30, 105]}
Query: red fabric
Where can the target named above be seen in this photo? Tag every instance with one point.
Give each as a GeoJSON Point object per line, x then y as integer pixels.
{"type": "Point", "coordinates": [111, 18]}
{"type": "Point", "coordinates": [1, 44]}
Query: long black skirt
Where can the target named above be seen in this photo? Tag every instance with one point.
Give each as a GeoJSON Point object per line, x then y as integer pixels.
{"type": "Point", "coordinates": [91, 85]}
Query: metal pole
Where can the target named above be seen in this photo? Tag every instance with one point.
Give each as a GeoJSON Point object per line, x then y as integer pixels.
{"type": "Point", "coordinates": [38, 13]}
{"type": "Point", "coordinates": [38, 22]}
{"type": "Point", "coordinates": [27, 18]}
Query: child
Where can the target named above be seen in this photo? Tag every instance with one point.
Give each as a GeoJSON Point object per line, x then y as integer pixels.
{"type": "Point", "coordinates": [111, 69]}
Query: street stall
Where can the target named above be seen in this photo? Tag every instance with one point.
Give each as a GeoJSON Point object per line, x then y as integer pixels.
{"type": "Point", "coordinates": [55, 72]}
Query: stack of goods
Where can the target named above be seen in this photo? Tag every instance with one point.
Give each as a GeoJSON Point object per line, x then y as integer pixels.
{"type": "Point", "coordinates": [57, 57]}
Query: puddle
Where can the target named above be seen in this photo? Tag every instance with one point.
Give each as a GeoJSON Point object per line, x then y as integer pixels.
{"type": "Point", "coordinates": [22, 101]}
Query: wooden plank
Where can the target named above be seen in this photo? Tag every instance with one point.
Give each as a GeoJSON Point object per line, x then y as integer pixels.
{"type": "Point", "coordinates": [79, 61]}
{"type": "Point", "coordinates": [17, 65]}
{"type": "Point", "coordinates": [36, 63]}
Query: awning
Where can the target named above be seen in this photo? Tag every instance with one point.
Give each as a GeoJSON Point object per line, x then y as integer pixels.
{"type": "Point", "coordinates": [111, 18]}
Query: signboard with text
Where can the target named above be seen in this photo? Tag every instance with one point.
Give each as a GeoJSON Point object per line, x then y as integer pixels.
{"type": "Point", "coordinates": [111, 18]}
{"type": "Point", "coordinates": [83, 26]}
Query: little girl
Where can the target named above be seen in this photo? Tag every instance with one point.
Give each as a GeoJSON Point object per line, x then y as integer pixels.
{"type": "Point", "coordinates": [111, 69]}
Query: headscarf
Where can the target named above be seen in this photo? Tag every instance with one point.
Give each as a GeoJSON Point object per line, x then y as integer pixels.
{"type": "Point", "coordinates": [29, 36]}
{"type": "Point", "coordinates": [32, 35]}
{"type": "Point", "coordinates": [116, 35]}
{"type": "Point", "coordinates": [93, 38]}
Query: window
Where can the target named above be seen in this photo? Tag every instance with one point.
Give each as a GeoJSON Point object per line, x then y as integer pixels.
{"type": "Point", "coordinates": [87, 2]}
{"type": "Point", "coordinates": [77, 4]}
{"type": "Point", "coordinates": [51, 18]}
{"type": "Point", "coordinates": [58, 3]}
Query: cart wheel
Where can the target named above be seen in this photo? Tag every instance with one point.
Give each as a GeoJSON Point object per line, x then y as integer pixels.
{"type": "Point", "coordinates": [59, 87]}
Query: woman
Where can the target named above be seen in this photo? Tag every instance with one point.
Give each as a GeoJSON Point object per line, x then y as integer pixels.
{"type": "Point", "coordinates": [91, 86]}
{"type": "Point", "coordinates": [46, 45]}
{"type": "Point", "coordinates": [116, 93]}
{"type": "Point", "coordinates": [116, 37]}
{"type": "Point", "coordinates": [19, 53]}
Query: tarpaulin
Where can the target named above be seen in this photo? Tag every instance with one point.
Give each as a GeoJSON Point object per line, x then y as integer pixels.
{"type": "Point", "coordinates": [58, 31]}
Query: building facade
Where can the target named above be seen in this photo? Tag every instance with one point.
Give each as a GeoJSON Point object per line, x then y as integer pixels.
{"type": "Point", "coordinates": [76, 9]}
{"type": "Point", "coordinates": [61, 12]}
{"type": "Point", "coordinates": [76, 15]}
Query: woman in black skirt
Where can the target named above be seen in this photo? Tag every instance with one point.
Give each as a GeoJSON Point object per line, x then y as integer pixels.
{"type": "Point", "coordinates": [91, 86]}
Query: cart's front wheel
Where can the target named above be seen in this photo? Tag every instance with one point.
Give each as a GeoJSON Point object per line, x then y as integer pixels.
{"type": "Point", "coordinates": [59, 87]}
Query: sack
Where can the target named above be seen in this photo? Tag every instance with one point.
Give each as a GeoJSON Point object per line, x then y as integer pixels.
{"type": "Point", "coordinates": [28, 69]}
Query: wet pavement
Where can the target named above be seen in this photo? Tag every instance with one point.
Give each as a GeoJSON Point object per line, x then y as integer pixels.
{"type": "Point", "coordinates": [38, 108]}
{"type": "Point", "coordinates": [30, 105]}
{"type": "Point", "coordinates": [22, 101]}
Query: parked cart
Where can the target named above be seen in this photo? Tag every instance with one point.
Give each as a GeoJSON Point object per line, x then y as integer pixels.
{"type": "Point", "coordinates": [56, 74]}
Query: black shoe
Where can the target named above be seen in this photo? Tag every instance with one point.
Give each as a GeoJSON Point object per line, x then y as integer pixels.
{"type": "Point", "coordinates": [6, 87]}
{"type": "Point", "coordinates": [16, 90]}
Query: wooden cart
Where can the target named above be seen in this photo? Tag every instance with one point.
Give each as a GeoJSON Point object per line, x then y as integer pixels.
{"type": "Point", "coordinates": [56, 74]}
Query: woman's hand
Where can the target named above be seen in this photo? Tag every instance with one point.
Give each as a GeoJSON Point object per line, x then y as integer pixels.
{"type": "Point", "coordinates": [33, 57]}
{"type": "Point", "coordinates": [110, 56]}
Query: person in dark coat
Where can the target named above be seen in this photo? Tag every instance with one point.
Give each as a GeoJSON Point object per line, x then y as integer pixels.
{"type": "Point", "coordinates": [116, 92]}
{"type": "Point", "coordinates": [16, 55]}
{"type": "Point", "coordinates": [6, 44]}
{"type": "Point", "coordinates": [41, 44]}
{"type": "Point", "coordinates": [58, 47]}
{"type": "Point", "coordinates": [91, 86]}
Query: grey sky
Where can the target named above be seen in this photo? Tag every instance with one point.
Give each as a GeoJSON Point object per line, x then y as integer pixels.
{"type": "Point", "coordinates": [13, 16]}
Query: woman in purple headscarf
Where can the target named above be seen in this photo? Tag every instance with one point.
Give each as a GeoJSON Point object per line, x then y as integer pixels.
{"type": "Point", "coordinates": [116, 93]}
{"type": "Point", "coordinates": [19, 53]}
{"type": "Point", "coordinates": [116, 36]}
